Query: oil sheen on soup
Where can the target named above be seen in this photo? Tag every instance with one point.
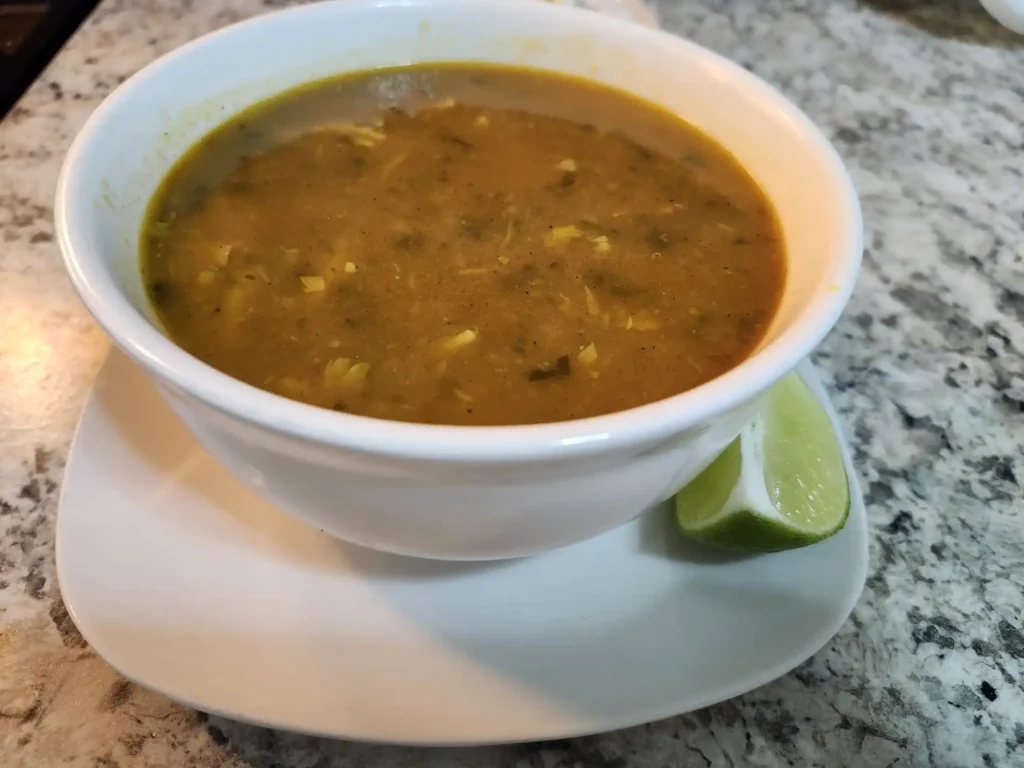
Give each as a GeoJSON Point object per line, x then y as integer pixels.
{"type": "Point", "coordinates": [463, 245]}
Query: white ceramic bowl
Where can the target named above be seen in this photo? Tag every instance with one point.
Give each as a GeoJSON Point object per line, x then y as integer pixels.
{"type": "Point", "coordinates": [1009, 13]}
{"type": "Point", "coordinates": [437, 491]}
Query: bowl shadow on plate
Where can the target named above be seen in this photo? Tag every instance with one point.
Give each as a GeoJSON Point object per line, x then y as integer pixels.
{"type": "Point", "coordinates": [691, 643]}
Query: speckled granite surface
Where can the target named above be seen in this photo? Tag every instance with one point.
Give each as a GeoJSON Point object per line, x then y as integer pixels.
{"type": "Point", "coordinates": [925, 100]}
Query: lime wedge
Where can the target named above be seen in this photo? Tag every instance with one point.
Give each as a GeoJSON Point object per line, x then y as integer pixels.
{"type": "Point", "coordinates": [780, 485]}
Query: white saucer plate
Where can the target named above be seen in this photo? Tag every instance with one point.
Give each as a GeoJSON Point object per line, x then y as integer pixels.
{"type": "Point", "coordinates": [189, 584]}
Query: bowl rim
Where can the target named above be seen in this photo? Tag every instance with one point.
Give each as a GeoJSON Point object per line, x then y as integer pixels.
{"type": "Point", "coordinates": [644, 424]}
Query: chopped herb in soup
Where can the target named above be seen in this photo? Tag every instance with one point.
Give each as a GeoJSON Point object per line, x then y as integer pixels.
{"type": "Point", "coordinates": [463, 244]}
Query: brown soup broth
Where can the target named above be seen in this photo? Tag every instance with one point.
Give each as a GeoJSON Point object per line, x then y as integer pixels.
{"type": "Point", "coordinates": [463, 244]}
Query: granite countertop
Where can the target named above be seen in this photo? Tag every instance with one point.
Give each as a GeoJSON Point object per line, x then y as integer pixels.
{"type": "Point", "coordinates": [925, 101]}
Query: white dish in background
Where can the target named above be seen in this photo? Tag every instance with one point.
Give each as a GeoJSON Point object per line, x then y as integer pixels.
{"type": "Point", "coordinates": [1009, 13]}
{"type": "Point", "coordinates": [192, 585]}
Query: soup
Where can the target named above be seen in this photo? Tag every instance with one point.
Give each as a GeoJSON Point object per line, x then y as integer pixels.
{"type": "Point", "coordinates": [463, 244]}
